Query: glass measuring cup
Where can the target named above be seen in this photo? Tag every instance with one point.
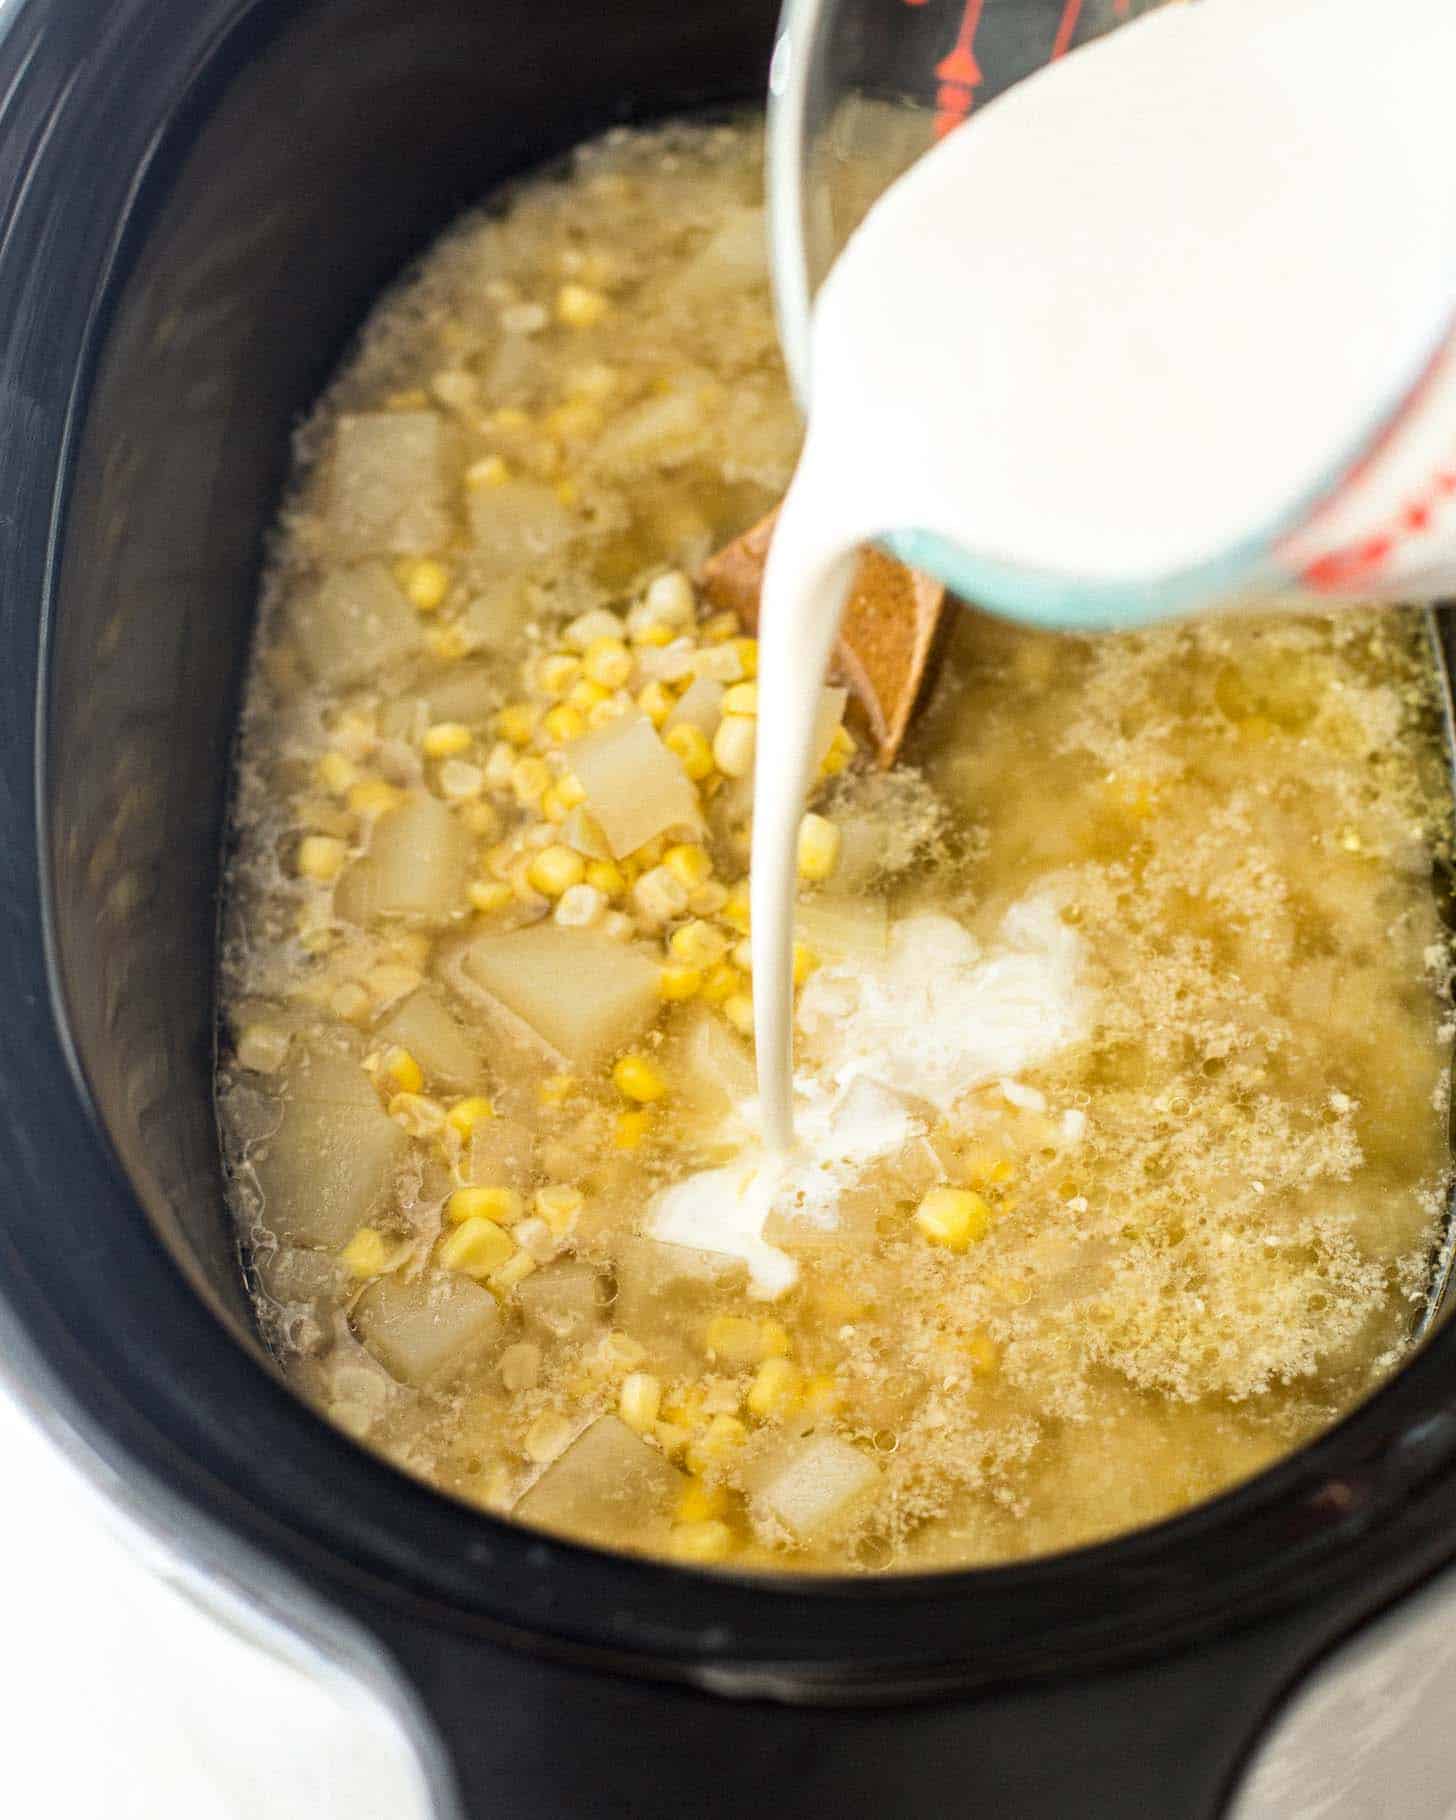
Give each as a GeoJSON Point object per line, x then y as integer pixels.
{"type": "Point", "coordinates": [859, 90]}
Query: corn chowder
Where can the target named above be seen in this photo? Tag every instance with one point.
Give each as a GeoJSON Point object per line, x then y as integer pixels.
{"type": "Point", "coordinates": [1122, 1023]}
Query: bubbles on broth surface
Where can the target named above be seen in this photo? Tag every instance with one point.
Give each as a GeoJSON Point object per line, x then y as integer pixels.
{"type": "Point", "coordinates": [1173, 1251]}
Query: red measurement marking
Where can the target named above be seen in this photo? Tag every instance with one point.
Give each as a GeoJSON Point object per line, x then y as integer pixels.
{"type": "Point", "coordinates": [958, 74]}
{"type": "Point", "coordinates": [1071, 13]}
{"type": "Point", "coordinates": [1122, 9]}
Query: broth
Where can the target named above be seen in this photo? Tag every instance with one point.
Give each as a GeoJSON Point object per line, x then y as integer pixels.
{"type": "Point", "coordinates": [1122, 997]}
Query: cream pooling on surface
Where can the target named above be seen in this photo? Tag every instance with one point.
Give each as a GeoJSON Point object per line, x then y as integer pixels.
{"type": "Point", "coordinates": [937, 1016]}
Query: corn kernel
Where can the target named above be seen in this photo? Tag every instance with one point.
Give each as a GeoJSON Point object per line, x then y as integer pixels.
{"type": "Point", "coordinates": [576, 420]}
{"type": "Point", "coordinates": [417, 1114]}
{"type": "Point", "coordinates": [715, 1443]}
{"type": "Point", "coordinates": [446, 739]}
{"type": "Point", "coordinates": [336, 773]}
{"type": "Point", "coordinates": [653, 636]}
{"type": "Point", "coordinates": [556, 672]}
{"type": "Point", "coordinates": [775, 1390]}
{"type": "Point", "coordinates": [707, 899]}
{"type": "Point", "coordinates": [569, 789]}
{"type": "Point", "coordinates": [655, 701]}
{"type": "Point", "coordinates": [501, 1205]}
{"type": "Point", "coordinates": [321, 858]}
{"type": "Point", "coordinates": [552, 807]}
{"type": "Point", "coordinates": [739, 1012]}
{"type": "Point", "coordinates": [630, 1129]}
{"type": "Point", "coordinates": [371, 796]}
{"type": "Point", "coordinates": [489, 895]}
{"type": "Point", "coordinates": [466, 1114]}
{"type": "Point", "coordinates": [637, 1078]}
{"type": "Point", "coordinates": [640, 1399]}
{"type": "Point", "coordinates": [691, 746]}
{"type": "Point", "coordinates": [547, 1437]}
{"type": "Point", "coordinates": [805, 962]}
{"type": "Point", "coordinates": [689, 863]}
{"type": "Point", "coordinates": [579, 306]}
{"type": "Point", "coordinates": [818, 851]}
{"type": "Point", "coordinates": [580, 907]}
{"type": "Point", "coordinates": [742, 698]}
{"type": "Point", "coordinates": [700, 1544]}
{"type": "Point", "coordinates": [721, 627]}
{"type": "Point", "coordinates": [698, 1502]}
{"type": "Point", "coordinates": [476, 1248]}
{"type": "Point", "coordinates": [425, 581]}
{"type": "Point", "coordinates": [604, 713]}
{"type": "Point", "coordinates": [698, 944]}
{"type": "Point", "coordinates": [734, 745]}
{"type": "Point", "coordinates": [658, 897]}
{"type": "Point", "coordinates": [460, 782]}
{"type": "Point", "coordinates": [841, 750]}
{"type": "Point", "coordinates": [491, 470]}
{"type": "Point", "coordinates": [607, 662]}
{"type": "Point", "coordinates": [735, 1340]}
{"type": "Point", "coordinates": [556, 869]}
{"type": "Point", "coordinates": [367, 1253]}
{"type": "Point", "coordinates": [953, 1217]}
{"type": "Point", "coordinates": [670, 597]}
{"type": "Point", "coordinates": [395, 1070]}
{"type": "Point", "coordinates": [605, 876]}
{"type": "Point", "coordinates": [448, 644]}
{"type": "Point", "coordinates": [678, 983]}
{"type": "Point", "coordinates": [530, 780]}
{"type": "Point", "coordinates": [721, 983]}
{"type": "Point", "coordinates": [563, 722]}
{"type": "Point", "coordinates": [735, 908]}
{"type": "Point", "coordinates": [983, 1352]}
{"type": "Point", "coordinates": [516, 722]}
{"type": "Point", "coordinates": [512, 1273]}
{"type": "Point", "coordinates": [559, 1205]}
{"type": "Point", "coordinates": [747, 649]}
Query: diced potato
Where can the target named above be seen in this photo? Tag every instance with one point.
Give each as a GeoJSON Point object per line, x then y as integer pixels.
{"type": "Point", "coordinates": [330, 1077]}
{"type": "Point", "coordinates": [465, 692]}
{"type": "Point", "coordinates": [665, 1292]}
{"type": "Point", "coordinates": [564, 1301]}
{"type": "Point", "coordinates": [417, 865]}
{"type": "Point", "coordinates": [812, 1489]}
{"type": "Point", "coordinates": [844, 928]}
{"type": "Point", "coordinates": [582, 993]}
{"type": "Point", "coordinates": [711, 1067]}
{"type": "Point", "coordinates": [502, 1154]}
{"type": "Point", "coordinates": [517, 523]}
{"type": "Point", "coordinates": [499, 613]}
{"type": "Point", "coordinates": [388, 485]}
{"type": "Point", "coordinates": [660, 432]}
{"type": "Point", "coordinates": [327, 1168]}
{"type": "Point", "coordinates": [734, 255]}
{"type": "Point", "coordinates": [354, 622]}
{"type": "Point", "coordinates": [700, 705]}
{"type": "Point", "coordinates": [634, 786]}
{"type": "Point", "coordinates": [424, 1330]}
{"type": "Point", "coordinates": [609, 1486]}
{"type": "Point", "coordinates": [425, 1026]}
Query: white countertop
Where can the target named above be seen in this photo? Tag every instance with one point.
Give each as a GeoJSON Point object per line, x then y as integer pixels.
{"type": "Point", "coordinates": [122, 1701]}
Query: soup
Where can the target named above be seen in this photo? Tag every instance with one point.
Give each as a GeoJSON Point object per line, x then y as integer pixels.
{"type": "Point", "coordinates": [1122, 1015]}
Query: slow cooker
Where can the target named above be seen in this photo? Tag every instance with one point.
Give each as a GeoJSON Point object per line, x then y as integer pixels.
{"type": "Point", "coordinates": [199, 198]}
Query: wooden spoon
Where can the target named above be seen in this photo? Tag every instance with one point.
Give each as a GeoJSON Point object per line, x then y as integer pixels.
{"type": "Point", "coordinates": [886, 639]}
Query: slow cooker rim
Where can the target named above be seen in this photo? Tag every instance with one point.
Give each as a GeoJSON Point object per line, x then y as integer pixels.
{"type": "Point", "coordinates": [1362, 1511]}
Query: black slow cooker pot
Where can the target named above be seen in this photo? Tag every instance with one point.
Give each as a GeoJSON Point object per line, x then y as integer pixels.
{"type": "Point", "coordinates": [199, 199]}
